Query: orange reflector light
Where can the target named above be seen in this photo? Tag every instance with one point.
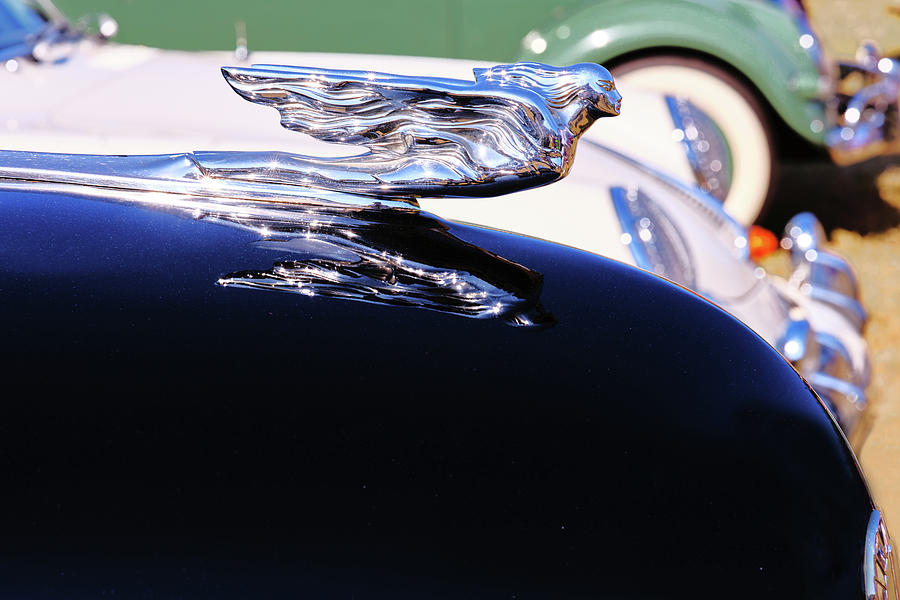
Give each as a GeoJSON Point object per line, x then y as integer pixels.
{"type": "Point", "coordinates": [762, 242]}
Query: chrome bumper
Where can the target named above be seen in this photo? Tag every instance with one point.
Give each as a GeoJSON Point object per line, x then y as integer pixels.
{"type": "Point", "coordinates": [820, 356]}
{"type": "Point", "coordinates": [864, 119]}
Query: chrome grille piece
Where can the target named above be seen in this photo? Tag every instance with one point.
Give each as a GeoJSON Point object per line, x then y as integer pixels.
{"type": "Point", "coordinates": [878, 568]}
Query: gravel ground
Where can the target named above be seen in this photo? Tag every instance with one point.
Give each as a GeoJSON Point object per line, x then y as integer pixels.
{"type": "Point", "coordinates": [876, 257]}
{"type": "Point", "coordinates": [842, 23]}
{"type": "Point", "coordinates": [860, 208]}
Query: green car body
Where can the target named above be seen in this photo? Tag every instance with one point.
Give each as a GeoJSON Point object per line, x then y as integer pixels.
{"type": "Point", "coordinates": [755, 39]}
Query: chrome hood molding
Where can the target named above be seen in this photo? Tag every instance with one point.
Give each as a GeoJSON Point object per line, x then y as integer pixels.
{"type": "Point", "coordinates": [513, 127]}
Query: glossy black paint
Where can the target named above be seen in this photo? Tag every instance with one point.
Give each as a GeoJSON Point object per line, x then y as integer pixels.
{"type": "Point", "coordinates": [165, 437]}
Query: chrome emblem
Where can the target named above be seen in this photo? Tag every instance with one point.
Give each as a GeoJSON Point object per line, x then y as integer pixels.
{"type": "Point", "coordinates": [879, 568]}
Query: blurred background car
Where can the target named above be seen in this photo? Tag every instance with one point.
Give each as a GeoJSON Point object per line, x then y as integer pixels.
{"type": "Point", "coordinates": [755, 67]}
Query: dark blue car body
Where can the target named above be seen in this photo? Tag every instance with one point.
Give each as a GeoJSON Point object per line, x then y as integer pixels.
{"type": "Point", "coordinates": [163, 436]}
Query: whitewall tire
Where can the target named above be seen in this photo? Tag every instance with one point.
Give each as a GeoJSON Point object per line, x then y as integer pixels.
{"type": "Point", "coordinates": [734, 109]}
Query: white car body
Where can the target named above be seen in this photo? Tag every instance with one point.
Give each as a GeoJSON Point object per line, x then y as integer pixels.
{"type": "Point", "coordinates": [114, 99]}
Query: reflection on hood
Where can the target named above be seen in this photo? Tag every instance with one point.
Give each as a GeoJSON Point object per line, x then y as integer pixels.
{"type": "Point", "coordinates": [387, 256]}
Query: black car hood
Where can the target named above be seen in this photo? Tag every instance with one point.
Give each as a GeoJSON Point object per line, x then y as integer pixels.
{"type": "Point", "coordinates": [171, 436]}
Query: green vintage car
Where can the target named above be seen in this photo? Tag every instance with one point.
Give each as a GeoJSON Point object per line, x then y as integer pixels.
{"type": "Point", "coordinates": [753, 66]}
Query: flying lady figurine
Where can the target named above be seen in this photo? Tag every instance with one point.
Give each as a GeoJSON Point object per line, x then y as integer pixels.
{"type": "Point", "coordinates": [516, 126]}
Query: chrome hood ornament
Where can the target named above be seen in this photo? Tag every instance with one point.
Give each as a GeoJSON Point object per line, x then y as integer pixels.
{"type": "Point", "coordinates": [513, 127]}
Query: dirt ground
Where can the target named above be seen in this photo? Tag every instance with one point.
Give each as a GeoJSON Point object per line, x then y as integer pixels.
{"type": "Point", "coordinates": [876, 256]}
{"type": "Point", "coordinates": [860, 209]}
{"type": "Point", "coordinates": [843, 23]}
